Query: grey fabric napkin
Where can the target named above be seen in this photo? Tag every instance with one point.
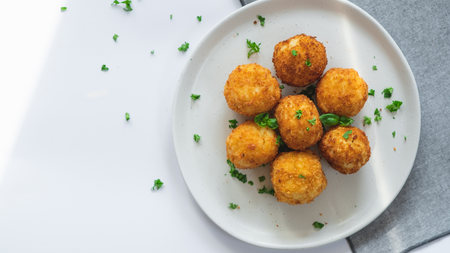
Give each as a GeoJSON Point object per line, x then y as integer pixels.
{"type": "Point", "coordinates": [421, 212]}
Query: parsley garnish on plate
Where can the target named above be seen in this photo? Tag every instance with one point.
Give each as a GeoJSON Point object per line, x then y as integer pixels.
{"type": "Point", "coordinates": [405, 137]}
{"type": "Point", "coordinates": [317, 224]}
{"type": "Point", "coordinates": [347, 133]}
{"type": "Point", "coordinates": [127, 116]}
{"type": "Point", "coordinates": [263, 120]}
{"type": "Point", "coordinates": [104, 68]}
{"type": "Point", "coordinates": [195, 97]}
{"type": "Point", "coordinates": [199, 18]}
{"type": "Point", "coordinates": [307, 128]}
{"type": "Point", "coordinates": [115, 2]}
{"type": "Point", "coordinates": [279, 141]}
{"type": "Point", "coordinates": [345, 121]}
{"type": "Point", "coordinates": [235, 173]}
{"type": "Point", "coordinates": [233, 206]}
{"type": "Point", "coordinates": [374, 67]}
{"type": "Point", "coordinates": [197, 137]}
{"type": "Point", "coordinates": [265, 190]}
{"type": "Point", "coordinates": [394, 106]}
{"type": "Point", "coordinates": [152, 52]}
{"type": "Point", "coordinates": [127, 5]}
{"type": "Point", "coordinates": [281, 86]}
{"type": "Point", "coordinates": [294, 53]}
{"type": "Point", "coordinates": [253, 48]}
{"type": "Point", "coordinates": [115, 37]}
{"type": "Point", "coordinates": [367, 120]}
{"type": "Point", "coordinates": [377, 115]}
{"type": "Point", "coordinates": [262, 20]}
{"type": "Point", "coordinates": [184, 47]}
{"type": "Point", "coordinates": [371, 92]}
{"type": "Point", "coordinates": [308, 63]}
{"type": "Point", "coordinates": [262, 178]}
{"type": "Point", "coordinates": [233, 123]}
{"type": "Point", "coordinates": [170, 16]}
{"type": "Point", "coordinates": [63, 8]}
{"type": "Point", "coordinates": [157, 184]}
{"type": "Point", "coordinates": [312, 121]}
{"type": "Point", "coordinates": [250, 182]}
{"type": "Point", "coordinates": [301, 176]}
{"type": "Point", "coordinates": [393, 134]}
{"type": "Point", "coordinates": [298, 114]}
{"type": "Point", "coordinates": [387, 92]}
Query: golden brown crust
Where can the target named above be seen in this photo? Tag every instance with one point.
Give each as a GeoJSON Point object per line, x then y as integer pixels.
{"type": "Point", "coordinates": [342, 92]}
{"type": "Point", "coordinates": [345, 155]}
{"type": "Point", "coordinates": [291, 69]}
{"type": "Point", "coordinates": [251, 90]}
{"type": "Point", "coordinates": [250, 146]}
{"type": "Point", "coordinates": [285, 175]}
{"type": "Point", "coordinates": [294, 131]}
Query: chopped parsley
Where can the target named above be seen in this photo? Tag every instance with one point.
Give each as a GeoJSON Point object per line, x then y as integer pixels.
{"type": "Point", "coordinates": [63, 8]}
{"type": "Point", "coordinates": [152, 52]}
{"type": "Point", "coordinates": [405, 137]}
{"type": "Point", "coordinates": [279, 141]}
{"type": "Point", "coordinates": [377, 115]}
{"type": "Point", "coordinates": [281, 86]}
{"type": "Point", "coordinates": [199, 18]}
{"type": "Point", "coordinates": [197, 137]}
{"type": "Point", "coordinates": [298, 114]}
{"type": "Point", "coordinates": [367, 120]}
{"type": "Point", "coordinates": [263, 120]}
{"type": "Point", "coordinates": [233, 123]}
{"type": "Point", "coordinates": [265, 190]}
{"type": "Point", "coordinates": [309, 92]}
{"type": "Point", "coordinates": [307, 128]}
{"type": "Point", "coordinates": [374, 67]}
{"type": "Point", "coordinates": [157, 184]}
{"type": "Point", "coordinates": [184, 47]}
{"type": "Point", "coordinates": [387, 92]}
{"type": "Point", "coordinates": [393, 134]}
{"type": "Point", "coordinates": [262, 20]}
{"type": "Point", "coordinates": [233, 206]}
{"type": "Point", "coordinates": [170, 16]}
{"type": "Point", "coordinates": [371, 92]}
{"type": "Point", "coordinates": [235, 173]}
{"type": "Point", "coordinates": [312, 121]}
{"type": "Point", "coordinates": [294, 53]}
{"type": "Point", "coordinates": [127, 116]}
{"type": "Point", "coordinates": [115, 2]}
{"type": "Point", "coordinates": [250, 182]}
{"type": "Point", "coordinates": [253, 48]}
{"type": "Point", "coordinates": [115, 37]}
{"type": "Point", "coordinates": [127, 5]}
{"type": "Point", "coordinates": [308, 63]}
{"type": "Point", "coordinates": [347, 133]}
{"type": "Point", "coordinates": [345, 121]}
{"type": "Point", "coordinates": [394, 106]}
{"type": "Point", "coordinates": [317, 224]}
{"type": "Point", "coordinates": [262, 178]}
{"type": "Point", "coordinates": [195, 97]}
{"type": "Point", "coordinates": [104, 68]}
{"type": "Point", "coordinates": [301, 176]}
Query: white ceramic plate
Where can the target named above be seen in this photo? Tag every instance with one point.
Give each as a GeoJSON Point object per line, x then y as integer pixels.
{"type": "Point", "coordinates": [353, 39]}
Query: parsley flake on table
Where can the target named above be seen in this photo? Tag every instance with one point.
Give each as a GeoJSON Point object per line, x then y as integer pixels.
{"type": "Point", "coordinates": [195, 97]}
{"type": "Point", "coordinates": [301, 176]}
{"type": "Point", "coordinates": [279, 141]}
{"type": "Point", "coordinates": [309, 92]}
{"type": "Point", "coordinates": [307, 128]}
{"type": "Point", "coordinates": [152, 52]}
{"type": "Point", "coordinates": [294, 53]}
{"type": "Point", "coordinates": [104, 68]}
{"type": "Point", "coordinates": [347, 133]}
{"type": "Point", "coordinates": [233, 123]}
{"type": "Point", "coordinates": [262, 20]}
{"type": "Point", "coordinates": [197, 137]}
{"type": "Point", "coordinates": [265, 190]}
{"type": "Point", "coordinates": [184, 47]}
{"type": "Point", "coordinates": [171, 16]}
{"type": "Point", "coordinates": [394, 106]}
{"type": "Point", "coordinates": [374, 67]}
{"type": "Point", "coordinates": [393, 134]}
{"type": "Point", "coordinates": [253, 48]}
{"type": "Point", "coordinates": [317, 224]}
{"type": "Point", "coordinates": [127, 5]}
{"type": "Point", "coordinates": [367, 120]}
{"type": "Point", "coordinates": [263, 120]}
{"type": "Point", "coordinates": [377, 115]}
{"type": "Point", "coordinates": [387, 92]}
{"type": "Point", "coordinates": [233, 206]}
{"type": "Point", "coordinates": [157, 184]}
{"type": "Point", "coordinates": [235, 173]}
{"type": "Point", "coordinates": [115, 37]}
{"type": "Point", "coordinates": [115, 2]}
{"type": "Point", "coordinates": [312, 121]}
{"type": "Point", "coordinates": [63, 8]}
{"type": "Point", "coordinates": [405, 137]}
{"type": "Point", "coordinates": [262, 178]}
{"type": "Point", "coordinates": [298, 114]}
{"type": "Point", "coordinates": [308, 63]}
{"type": "Point", "coordinates": [250, 182]}
{"type": "Point", "coordinates": [127, 116]}
{"type": "Point", "coordinates": [199, 18]}
{"type": "Point", "coordinates": [371, 92]}
{"type": "Point", "coordinates": [281, 86]}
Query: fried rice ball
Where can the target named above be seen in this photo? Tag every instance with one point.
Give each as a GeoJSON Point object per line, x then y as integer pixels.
{"type": "Point", "coordinates": [293, 69]}
{"type": "Point", "coordinates": [297, 177]}
{"type": "Point", "coordinates": [345, 155]}
{"type": "Point", "coordinates": [342, 92]}
{"type": "Point", "coordinates": [298, 133]}
{"type": "Point", "coordinates": [251, 90]}
{"type": "Point", "coordinates": [250, 146]}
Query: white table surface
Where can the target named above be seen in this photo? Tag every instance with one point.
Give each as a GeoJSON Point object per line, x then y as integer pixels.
{"type": "Point", "coordinates": [74, 175]}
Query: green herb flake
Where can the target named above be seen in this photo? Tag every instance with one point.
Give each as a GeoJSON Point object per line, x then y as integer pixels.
{"type": "Point", "coordinates": [263, 120]}
{"type": "Point", "coordinates": [63, 8]}
{"type": "Point", "coordinates": [393, 117]}
{"type": "Point", "coordinates": [197, 137]}
{"type": "Point", "coordinates": [157, 184]}
{"type": "Point", "coordinates": [170, 16]}
{"type": "Point", "coordinates": [405, 137]}
{"type": "Point", "coordinates": [127, 5]}
{"type": "Point", "coordinates": [127, 116]}
{"type": "Point", "coordinates": [281, 86]}
{"type": "Point", "coordinates": [184, 47]}
{"type": "Point", "coordinates": [345, 121]}
{"type": "Point", "coordinates": [233, 123]}
{"type": "Point", "coordinates": [347, 133]}
{"type": "Point", "coordinates": [317, 224]}
{"type": "Point", "coordinates": [377, 118]}
{"type": "Point", "coordinates": [233, 206]}
{"type": "Point", "coordinates": [307, 129]}
{"type": "Point", "coordinates": [374, 67]}
{"type": "Point", "coordinates": [329, 119]}
{"type": "Point", "coordinates": [199, 18]}
{"type": "Point", "coordinates": [115, 37]}
{"type": "Point", "coordinates": [262, 178]}
{"type": "Point", "coordinates": [104, 68]}
{"type": "Point", "coordinates": [312, 121]}
{"type": "Point", "coordinates": [115, 2]}
{"type": "Point", "coordinates": [393, 134]}
{"type": "Point", "coordinates": [294, 53]}
{"type": "Point", "coordinates": [195, 97]}
{"type": "Point", "coordinates": [250, 183]}
{"type": "Point", "coordinates": [301, 176]}
{"type": "Point", "coordinates": [377, 115]}
{"type": "Point", "coordinates": [367, 121]}
{"type": "Point", "coordinates": [235, 173]}
{"type": "Point", "coordinates": [279, 141]}
{"type": "Point", "coordinates": [394, 106]}
{"type": "Point", "coordinates": [388, 92]}
{"type": "Point", "coordinates": [309, 92]}
{"type": "Point", "coordinates": [152, 52]}
{"type": "Point", "coordinates": [371, 92]}
{"type": "Point", "coordinates": [308, 63]}
{"type": "Point", "coordinates": [253, 48]}
{"type": "Point", "coordinates": [265, 190]}
{"type": "Point", "coordinates": [262, 20]}
{"type": "Point", "coordinates": [298, 114]}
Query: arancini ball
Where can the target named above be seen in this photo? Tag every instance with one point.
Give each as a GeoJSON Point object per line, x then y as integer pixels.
{"type": "Point", "coordinates": [251, 90]}
{"type": "Point", "coordinates": [342, 92]}
{"type": "Point", "coordinates": [299, 60]}
{"type": "Point", "coordinates": [297, 177]}
{"type": "Point", "coordinates": [298, 122]}
{"type": "Point", "coordinates": [250, 146]}
{"type": "Point", "coordinates": [346, 155]}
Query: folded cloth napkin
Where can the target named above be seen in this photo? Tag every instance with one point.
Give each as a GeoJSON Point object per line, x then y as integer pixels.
{"type": "Point", "coordinates": [421, 211]}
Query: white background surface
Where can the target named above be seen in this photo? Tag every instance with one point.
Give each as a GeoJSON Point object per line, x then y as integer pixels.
{"type": "Point", "coordinates": [74, 175]}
